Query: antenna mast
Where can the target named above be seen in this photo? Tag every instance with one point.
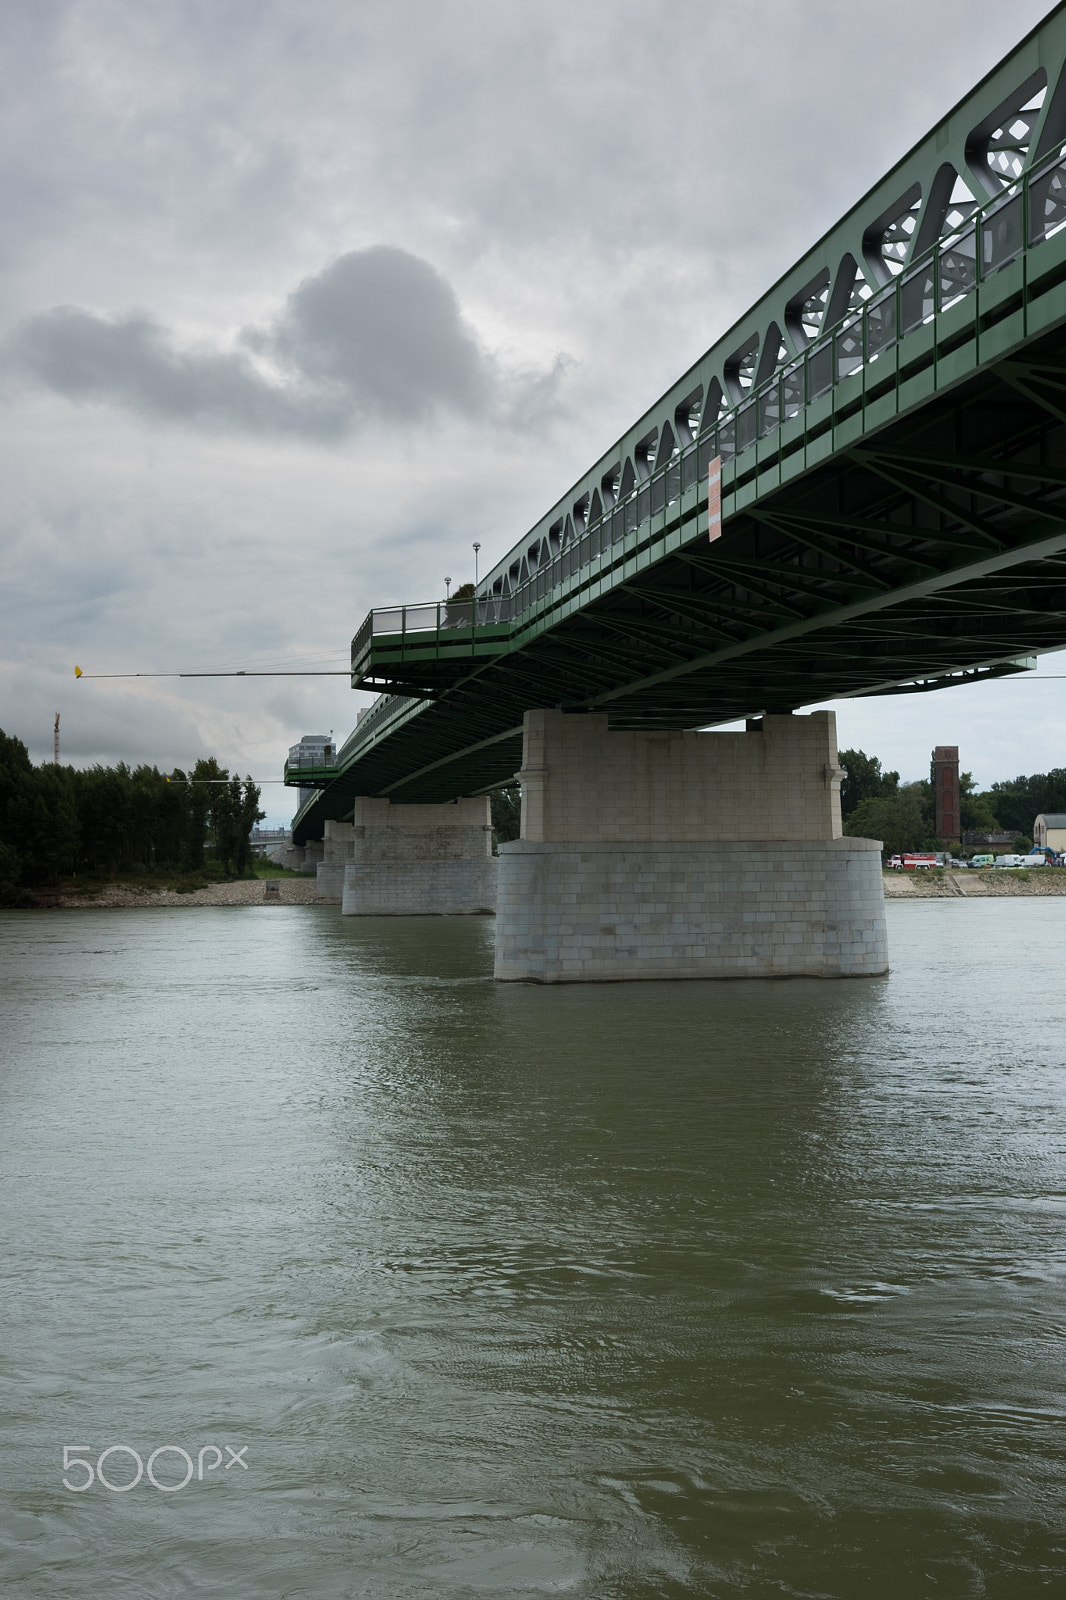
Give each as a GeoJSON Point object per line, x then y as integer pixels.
{"type": "Point", "coordinates": [55, 741]}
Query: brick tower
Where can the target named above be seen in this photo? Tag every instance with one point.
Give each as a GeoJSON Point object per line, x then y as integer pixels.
{"type": "Point", "coordinates": [945, 775]}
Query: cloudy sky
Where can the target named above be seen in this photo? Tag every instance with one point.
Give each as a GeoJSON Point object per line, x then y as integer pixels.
{"type": "Point", "coordinates": [299, 298]}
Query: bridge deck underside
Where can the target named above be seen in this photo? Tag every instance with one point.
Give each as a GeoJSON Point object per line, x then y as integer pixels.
{"type": "Point", "coordinates": [936, 545]}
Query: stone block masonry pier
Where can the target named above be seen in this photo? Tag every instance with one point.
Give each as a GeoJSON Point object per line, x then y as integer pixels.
{"type": "Point", "coordinates": [338, 851]}
{"type": "Point", "coordinates": [685, 855]}
{"type": "Point", "coordinates": [420, 860]}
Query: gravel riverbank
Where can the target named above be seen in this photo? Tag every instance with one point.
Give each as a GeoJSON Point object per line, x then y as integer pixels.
{"type": "Point", "coordinates": [971, 885]}
{"type": "Point", "coordinates": [249, 892]}
{"type": "Point", "coordinates": [966, 885]}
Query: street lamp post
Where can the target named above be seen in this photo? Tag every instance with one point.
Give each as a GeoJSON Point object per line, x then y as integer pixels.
{"type": "Point", "coordinates": [477, 547]}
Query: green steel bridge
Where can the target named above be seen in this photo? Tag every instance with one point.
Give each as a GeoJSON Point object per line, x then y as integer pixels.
{"type": "Point", "coordinates": [860, 489]}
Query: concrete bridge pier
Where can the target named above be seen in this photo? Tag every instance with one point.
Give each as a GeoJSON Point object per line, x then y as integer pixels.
{"type": "Point", "coordinates": [338, 849]}
{"type": "Point", "coordinates": [685, 855]}
{"type": "Point", "coordinates": [420, 860]}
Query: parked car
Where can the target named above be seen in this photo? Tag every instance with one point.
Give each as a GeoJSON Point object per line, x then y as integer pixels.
{"type": "Point", "coordinates": [982, 861]}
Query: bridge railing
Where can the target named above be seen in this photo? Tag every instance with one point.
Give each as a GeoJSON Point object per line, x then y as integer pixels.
{"type": "Point", "coordinates": [310, 771]}
{"type": "Point", "coordinates": [441, 617]}
{"type": "Point", "coordinates": [1026, 214]}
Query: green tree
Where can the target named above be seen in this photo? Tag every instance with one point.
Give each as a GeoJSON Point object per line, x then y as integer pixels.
{"type": "Point", "coordinates": [206, 778]}
{"type": "Point", "coordinates": [899, 821]}
{"type": "Point", "coordinates": [865, 780]}
{"type": "Point", "coordinates": [506, 813]}
{"type": "Point", "coordinates": [247, 816]}
{"type": "Point", "coordinates": [1018, 802]}
{"type": "Point", "coordinates": [12, 892]}
{"type": "Point", "coordinates": [225, 815]}
{"type": "Point", "coordinates": [975, 810]}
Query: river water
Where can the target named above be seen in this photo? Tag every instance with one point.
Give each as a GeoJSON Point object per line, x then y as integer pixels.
{"type": "Point", "coordinates": [705, 1289]}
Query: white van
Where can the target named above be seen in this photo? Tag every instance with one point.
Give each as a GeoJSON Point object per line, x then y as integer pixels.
{"type": "Point", "coordinates": [1013, 861]}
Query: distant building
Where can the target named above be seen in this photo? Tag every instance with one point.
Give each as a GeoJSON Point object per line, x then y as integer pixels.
{"type": "Point", "coordinates": [988, 841]}
{"type": "Point", "coordinates": [267, 839]}
{"type": "Point", "coordinates": [944, 772]}
{"type": "Point", "coordinates": [1050, 829]}
{"type": "Point", "coordinates": [313, 750]}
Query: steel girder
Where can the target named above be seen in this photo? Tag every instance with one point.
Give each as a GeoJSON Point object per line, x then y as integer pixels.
{"type": "Point", "coordinates": [933, 549]}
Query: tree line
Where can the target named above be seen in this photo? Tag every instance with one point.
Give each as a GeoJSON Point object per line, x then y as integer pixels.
{"type": "Point", "coordinates": [875, 805]}
{"type": "Point", "coordinates": [58, 821]}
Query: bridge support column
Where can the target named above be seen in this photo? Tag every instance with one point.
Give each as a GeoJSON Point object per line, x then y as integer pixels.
{"type": "Point", "coordinates": [685, 855]}
{"type": "Point", "coordinates": [412, 860]}
{"type": "Point", "coordinates": [337, 851]}
{"type": "Point", "coordinates": [292, 856]}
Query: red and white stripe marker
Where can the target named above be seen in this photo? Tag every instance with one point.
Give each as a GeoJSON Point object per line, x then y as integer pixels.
{"type": "Point", "coordinates": [714, 499]}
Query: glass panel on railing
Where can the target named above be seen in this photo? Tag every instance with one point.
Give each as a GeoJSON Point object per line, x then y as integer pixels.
{"type": "Point", "coordinates": [769, 404]}
{"type": "Point", "coordinates": [1001, 235]}
{"type": "Point", "coordinates": [880, 317]}
{"type": "Point", "coordinates": [792, 391]}
{"type": "Point", "coordinates": [1047, 203]}
{"type": "Point", "coordinates": [848, 343]}
{"type": "Point", "coordinates": [689, 468]}
{"type": "Point", "coordinates": [916, 299]}
{"type": "Point", "coordinates": [727, 440]}
{"type": "Point", "coordinates": [390, 621]}
{"type": "Point", "coordinates": [958, 268]}
{"type": "Point", "coordinates": [426, 619]}
{"type": "Point", "coordinates": [584, 551]}
{"type": "Point", "coordinates": [746, 420]}
{"type": "Point", "coordinates": [820, 370]}
{"type": "Point", "coordinates": [673, 481]}
{"type": "Point", "coordinates": [455, 614]}
{"type": "Point", "coordinates": [658, 493]}
{"type": "Point", "coordinates": [642, 503]}
{"type": "Point", "coordinates": [708, 449]}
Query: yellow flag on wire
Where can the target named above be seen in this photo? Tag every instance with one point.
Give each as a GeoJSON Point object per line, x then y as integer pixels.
{"type": "Point", "coordinates": [77, 672]}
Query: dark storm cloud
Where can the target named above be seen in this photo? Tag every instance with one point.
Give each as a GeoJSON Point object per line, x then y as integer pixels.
{"type": "Point", "coordinates": [385, 329]}
{"type": "Point", "coordinates": [377, 336]}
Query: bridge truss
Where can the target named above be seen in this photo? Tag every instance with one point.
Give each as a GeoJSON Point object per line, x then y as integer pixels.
{"type": "Point", "coordinates": [860, 489]}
